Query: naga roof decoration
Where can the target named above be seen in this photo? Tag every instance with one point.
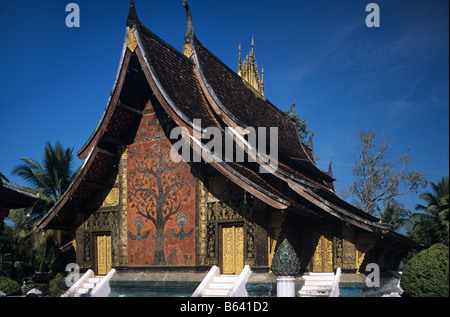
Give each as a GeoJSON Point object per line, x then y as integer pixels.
{"type": "Point", "coordinates": [190, 85]}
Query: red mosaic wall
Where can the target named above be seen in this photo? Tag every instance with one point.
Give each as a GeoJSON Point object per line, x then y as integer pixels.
{"type": "Point", "coordinates": [161, 201]}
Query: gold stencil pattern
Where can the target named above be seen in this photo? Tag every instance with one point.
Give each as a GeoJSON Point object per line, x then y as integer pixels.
{"type": "Point", "coordinates": [103, 248]}
{"type": "Point", "coordinates": [323, 254]}
{"type": "Point", "coordinates": [233, 249]}
{"type": "Point", "coordinates": [112, 199]}
{"type": "Point", "coordinates": [132, 42]}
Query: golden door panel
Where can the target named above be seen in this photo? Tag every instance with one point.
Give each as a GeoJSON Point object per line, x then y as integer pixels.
{"type": "Point", "coordinates": [323, 253]}
{"type": "Point", "coordinates": [232, 249]}
{"type": "Point", "coordinates": [103, 254]}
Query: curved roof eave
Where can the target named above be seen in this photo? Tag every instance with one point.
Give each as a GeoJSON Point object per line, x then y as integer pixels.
{"type": "Point", "coordinates": [42, 223]}
{"type": "Point", "coordinates": [87, 147]}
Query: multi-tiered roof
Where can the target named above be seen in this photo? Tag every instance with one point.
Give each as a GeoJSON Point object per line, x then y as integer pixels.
{"type": "Point", "coordinates": [195, 84]}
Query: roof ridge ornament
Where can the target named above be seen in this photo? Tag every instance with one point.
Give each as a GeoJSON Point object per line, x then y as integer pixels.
{"type": "Point", "coordinates": [189, 34]}
{"type": "Point", "coordinates": [330, 169]}
{"type": "Point", "coordinates": [132, 19]}
{"type": "Point", "coordinates": [248, 69]}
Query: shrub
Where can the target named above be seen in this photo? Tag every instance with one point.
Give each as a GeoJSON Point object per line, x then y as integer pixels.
{"type": "Point", "coordinates": [56, 286]}
{"type": "Point", "coordinates": [9, 286]}
{"type": "Point", "coordinates": [426, 274]}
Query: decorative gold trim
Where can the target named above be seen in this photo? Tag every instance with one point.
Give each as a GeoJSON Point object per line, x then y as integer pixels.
{"type": "Point", "coordinates": [132, 42]}
{"type": "Point", "coordinates": [188, 50]}
{"type": "Point", "coordinates": [112, 199]}
{"type": "Point", "coordinates": [248, 70]}
{"type": "Point", "coordinates": [232, 249]}
{"type": "Point", "coordinates": [348, 247]}
{"type": "Point", "coordinates": [103, 256]}
{"type": "Point", "coordinates": [202, 221]}
{"type": "Point", "coordinates": [323, 253]}
{"type": "Point", "coordinates": [123, 211]}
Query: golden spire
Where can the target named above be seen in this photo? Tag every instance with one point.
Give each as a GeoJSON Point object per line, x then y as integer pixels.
{"type": "Point", "coordinates": [248, 69]}
{"type": "Point", "coordinates": [188, 50]}
{"type": "Point", "coordinates": [239, 62]}
{"type": "Point", "coordinates": [253, 42]}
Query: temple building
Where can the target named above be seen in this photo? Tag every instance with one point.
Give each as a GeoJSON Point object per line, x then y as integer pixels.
{"type": "Point", "coordinates": [14, 197]}
{"type": "Point", "coordinates": [137, 205]}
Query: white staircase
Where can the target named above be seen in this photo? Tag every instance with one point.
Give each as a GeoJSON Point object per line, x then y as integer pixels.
{"type": "Point", "coordinates": [220, 286]}
{"type": "Point", "coordinates": [90, 285]}
{"type": "Point", "coordinates": [317, 285]}
{"type": "Point", "coordinates": [86, 288]}
{"type": "Point", "coordinates": [216, 285]}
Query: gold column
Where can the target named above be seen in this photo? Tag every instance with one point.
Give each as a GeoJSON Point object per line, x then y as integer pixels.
{"type": "Point", "coordinates": [123, 215]}
{"type": "Point", "coordinates": [348, 247]}
{"type": "Point", "coordinates": [200, 202]}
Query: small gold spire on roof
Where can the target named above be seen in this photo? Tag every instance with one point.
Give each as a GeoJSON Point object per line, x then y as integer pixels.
{"type": "Point", "coordinates": [248, 69]}
{"type": "Point", "coordinates": [188, 49]}
{"type": "Point", "coordinates": [239, 62]}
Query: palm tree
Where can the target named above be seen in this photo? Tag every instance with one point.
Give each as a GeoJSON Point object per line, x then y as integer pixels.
{"type": "Point", "coordinates": [3, 178]}
{"type": "Point", "coordinates": [395, 215]}
{"type": "Point", "coordinates": [435, 216]}
{"type": "Point", "coordinates": [54, 175]}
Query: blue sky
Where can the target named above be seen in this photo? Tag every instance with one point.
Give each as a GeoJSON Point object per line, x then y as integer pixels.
{"type": "Point", "coordinates": [55, 81]}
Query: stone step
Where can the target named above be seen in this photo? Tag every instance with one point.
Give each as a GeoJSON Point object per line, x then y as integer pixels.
{"type": "Point", "coordinates": [215, 285]}
{"type": "Point", "coordinates": [315, 288]}
{"type": "Point", "coordinates": [95, 280]}
{"type": "Point", "coordinates": [320, 274]}
{"type": "Point", "coordinates": [314, 292]}
{"type": "Point", "coordinates": [314, 295]}
{"type": "Point", "coordinates": [317, 285]}
{"type": "Point", "coordinates": [215, 292]}
{"type": "Point", "coordinates": [319, 282]}
{"type": "Point", "coordinates": [89, 285]}
{"type": "Point", "coordinates": [225, 279]}
{"type": "Point", "coordinates": [82, 290]}
{"type": "Point", "coordinates": [318, 277]}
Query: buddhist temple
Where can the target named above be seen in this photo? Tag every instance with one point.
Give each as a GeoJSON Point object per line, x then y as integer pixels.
{"type": "Point", "coordinates": [137, 207]}
{"type": "Point", "coordinates": [14, 197]}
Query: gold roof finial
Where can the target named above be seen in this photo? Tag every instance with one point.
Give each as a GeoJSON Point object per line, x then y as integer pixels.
{"type": "Point", "coordinates": [262, 78]}
{"type": "Point", "coordinates": [248, 69]}
{"type": "Point", "coordinates": [239, 62]}
{"type": "Point", "coordinates": [189, 34]}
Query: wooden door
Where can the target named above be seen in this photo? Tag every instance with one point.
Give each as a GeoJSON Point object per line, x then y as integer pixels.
{"type": "Point", "coordinates": [102, 254]}
{"type": "Point", "coordinates": [232, 249]}
{"type": "Point", "coordinates": [323, 253]}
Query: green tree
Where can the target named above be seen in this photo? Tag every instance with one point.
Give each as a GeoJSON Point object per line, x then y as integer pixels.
{"type": "Point", "coordinates": [395, 214]}
{"type": "Point", "coordinates": [377, 180]}
{"type": "Point", "coordinates": [16, 247]}
{"type": "Point", "coordinates": [432, 224]}
{"type": "Point", "coordinates": [55, 173]}
{"type": "Point", "coordinates": [53, 177]}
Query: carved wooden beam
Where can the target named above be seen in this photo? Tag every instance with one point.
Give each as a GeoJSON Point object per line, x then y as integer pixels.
{"type": "Point", "coordinates": [128, 108]}
{"type": "Point", "coordinates": [94, 185]}
{"type": "Point", "coordinates": [109, 153]}
{"type": "Point", "coordinates": [113, 140]}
